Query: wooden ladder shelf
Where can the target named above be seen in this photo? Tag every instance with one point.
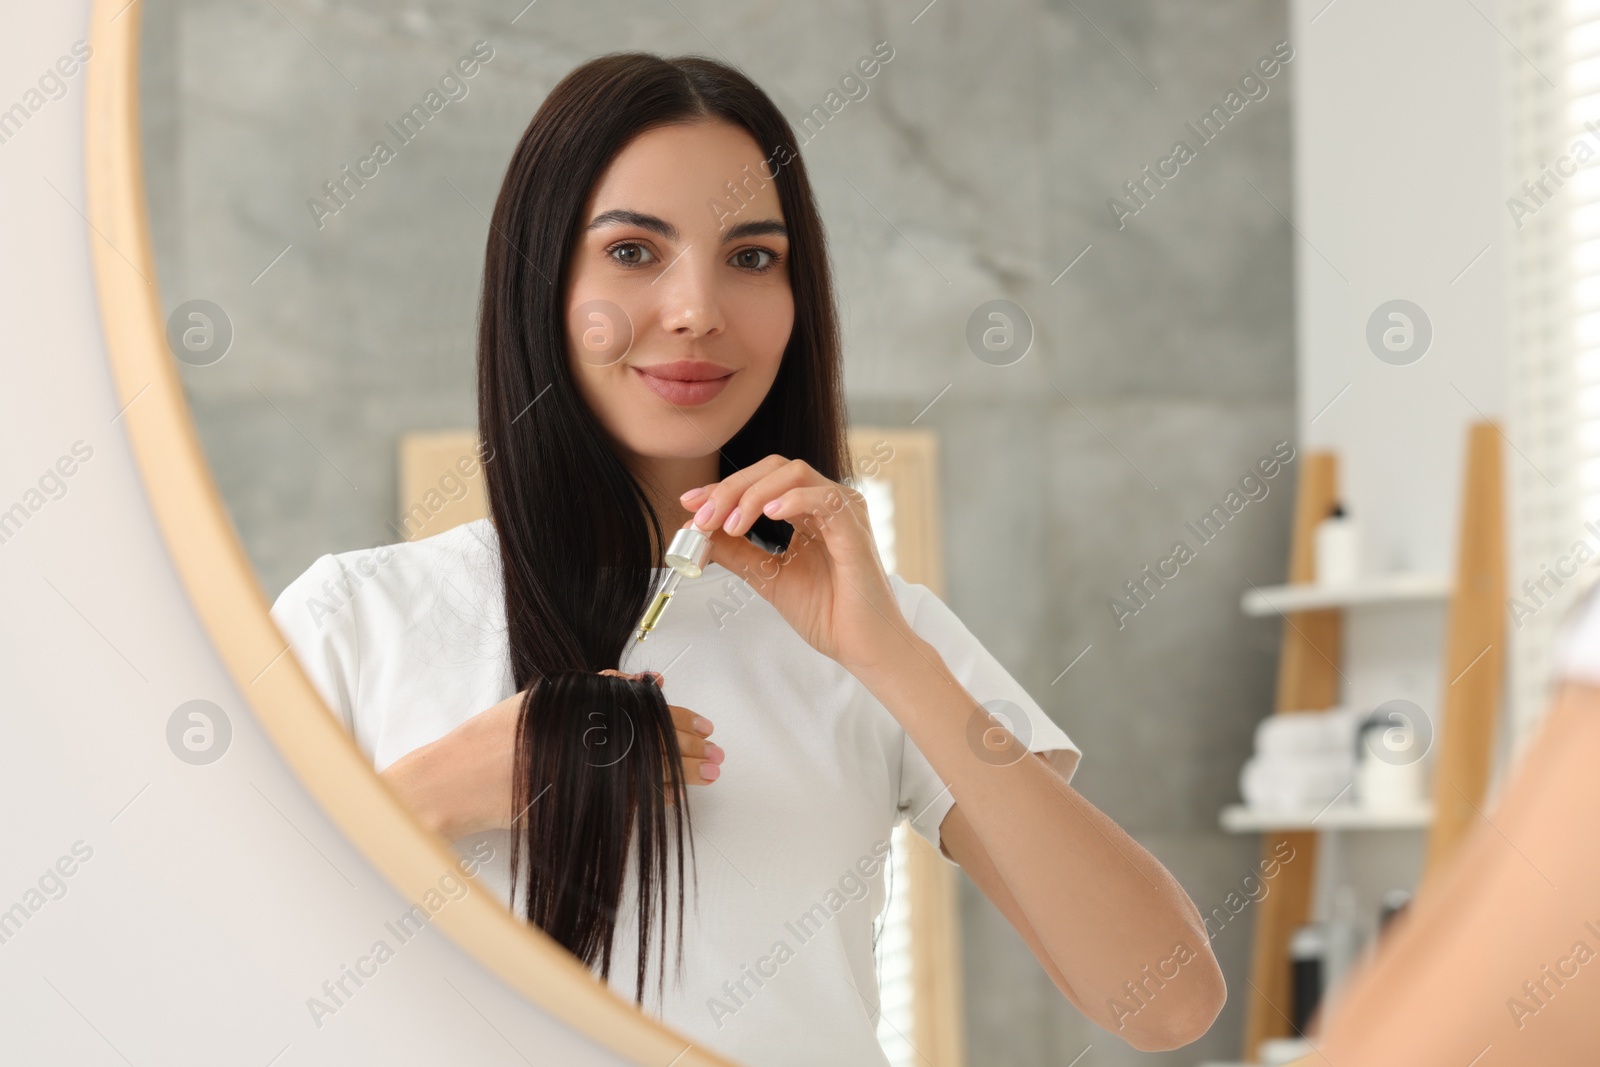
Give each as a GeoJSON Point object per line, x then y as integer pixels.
{"type": "Point", "coordinates": [1470, 695]}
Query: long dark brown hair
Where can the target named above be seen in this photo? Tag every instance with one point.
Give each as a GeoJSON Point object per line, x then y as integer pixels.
{"type": "Point", "coordinates": [578, 539]}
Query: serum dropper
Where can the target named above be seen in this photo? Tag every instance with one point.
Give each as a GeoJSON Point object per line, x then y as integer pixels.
{"type": "Point", "coordinates": [687, 555]}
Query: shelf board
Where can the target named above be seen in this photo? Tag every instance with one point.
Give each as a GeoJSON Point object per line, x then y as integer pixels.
{"type": "Point", "coordinates": [1243, 819]}
{"type": "Point", "coordinates": [1381, 589]}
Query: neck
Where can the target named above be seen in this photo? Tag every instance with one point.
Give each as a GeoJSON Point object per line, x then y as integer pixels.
{"type": "Point", "coordinates": [665, 480]}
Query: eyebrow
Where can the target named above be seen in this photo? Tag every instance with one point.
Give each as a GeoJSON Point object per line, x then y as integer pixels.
{"type": "Point", "coordinates": [624, 217]}
{"type": "Point", "coordinates": [757, 228]}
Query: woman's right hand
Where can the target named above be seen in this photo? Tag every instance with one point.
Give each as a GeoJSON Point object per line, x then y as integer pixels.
{"type": "Point", "coordinates": [461, 784]}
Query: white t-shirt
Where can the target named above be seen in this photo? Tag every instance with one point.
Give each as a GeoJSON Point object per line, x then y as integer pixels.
{"type": "Point", "coordinates": [405, 642]}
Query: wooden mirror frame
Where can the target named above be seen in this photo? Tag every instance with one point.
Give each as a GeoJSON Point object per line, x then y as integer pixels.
{"type": "Point", "coordinates": [226, 593]}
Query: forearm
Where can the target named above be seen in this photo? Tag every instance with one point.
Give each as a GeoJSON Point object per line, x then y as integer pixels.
{"type": "Point", "coordinates": [1104, 909]}
{"type": "Point", "coordinates": [1511, 906]}
{"type": "Point", "coordinates": [461, 784]}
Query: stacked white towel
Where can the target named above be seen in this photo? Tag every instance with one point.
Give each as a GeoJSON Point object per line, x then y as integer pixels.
{"type": "Point", "coordinates": [1302, 759]}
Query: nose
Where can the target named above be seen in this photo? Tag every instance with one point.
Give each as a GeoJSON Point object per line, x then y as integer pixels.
{"type": "Point", "coordinates": [689, 306]}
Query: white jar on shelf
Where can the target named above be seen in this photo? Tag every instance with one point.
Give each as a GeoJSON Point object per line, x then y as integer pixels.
{"type": "Point", "coordinates": [1337, 549]}
{"type": "Point", "coordinates": [1389, 766]}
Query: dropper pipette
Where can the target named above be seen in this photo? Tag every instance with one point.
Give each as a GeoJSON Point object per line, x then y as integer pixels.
{"type": "Point", "coordinates": [687, 556]}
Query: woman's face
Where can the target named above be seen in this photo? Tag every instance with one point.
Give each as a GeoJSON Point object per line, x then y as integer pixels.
{"type": "Point", "coordinates": [679, 307]}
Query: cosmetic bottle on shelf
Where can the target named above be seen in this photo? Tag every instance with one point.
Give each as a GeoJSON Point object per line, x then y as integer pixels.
{"type": "Point", "coordinates": [1342, 937]}
{"type": "Point", "coordinates": [1337, 559]}
{"type": "Point", "coordinates": [1308, 951]}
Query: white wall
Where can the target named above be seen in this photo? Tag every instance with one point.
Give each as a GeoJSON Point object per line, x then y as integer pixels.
{"type": "Point", "coordinates": [1398, 174]}
{"type": "Point", "coordinates": [1398, 195]}
{"type": "Point", "coordinates": [1397, 190]}
{"type": "Point", "coordinates": [214, 899]}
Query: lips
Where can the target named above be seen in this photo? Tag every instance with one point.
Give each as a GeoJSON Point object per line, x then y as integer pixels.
{"type": "Point", "coordinates": [685, 382]}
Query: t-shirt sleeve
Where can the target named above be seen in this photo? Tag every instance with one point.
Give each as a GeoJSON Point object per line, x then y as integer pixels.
{"type": "Point", "coordinates": [924, 799]}
{"type": "Point", "coordinates": [322, 634]}
{"type": "Point", "coordinates": [1577, 655]}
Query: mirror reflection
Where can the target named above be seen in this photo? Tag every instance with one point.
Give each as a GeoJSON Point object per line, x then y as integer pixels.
{"type": "Point", "coordinates": [966, 359]}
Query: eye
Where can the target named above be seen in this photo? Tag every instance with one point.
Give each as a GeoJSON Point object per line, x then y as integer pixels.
{"type": "Point", "coordinates": [755, 260]}
{"type": "Point", "coordinates": [630, 254]}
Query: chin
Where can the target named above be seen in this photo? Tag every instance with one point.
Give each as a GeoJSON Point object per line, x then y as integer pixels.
{"type": "Point", "coordinates": [677, 440]}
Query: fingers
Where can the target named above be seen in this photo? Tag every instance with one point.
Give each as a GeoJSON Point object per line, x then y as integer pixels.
{"type": "Point", "coordinates": [744, 558]}
{"type": "Point", "coordinates": [692, 744]}
{"type": "Point", "coordinates": [701, 758]}
{"type": "Point", "coordinates": [687, 722]}
{"type": "Point", "coordinates": [811, 509]}
{"type": "Point", "coordinates": [652, 676]}
{"type": "Point", "coordinates": [794, 476]}
{"type": "Point", "coordinates": [735, 502]}
{"type": "Point", "coordinates": [705, 768]}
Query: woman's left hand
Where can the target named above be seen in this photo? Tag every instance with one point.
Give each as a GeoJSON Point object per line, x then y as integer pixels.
{"type": "Point", "coordinates": [830, 585]}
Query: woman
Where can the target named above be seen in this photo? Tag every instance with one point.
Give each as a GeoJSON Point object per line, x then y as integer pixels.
{"type": "Point", "coordinates": [658, 347]}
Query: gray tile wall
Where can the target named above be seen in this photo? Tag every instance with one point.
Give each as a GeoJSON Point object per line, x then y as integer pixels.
{"type": "Point", "coordinates": [978, 166]}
